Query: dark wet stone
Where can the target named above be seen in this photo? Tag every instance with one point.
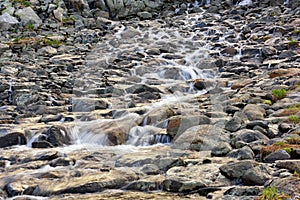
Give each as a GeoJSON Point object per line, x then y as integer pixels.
{"type": "Point", "coordinates": [41, 144]}
{"type": "Point", "coordinates": [12, 139]}
{"type": "Point", "coordinates": [261, 123]}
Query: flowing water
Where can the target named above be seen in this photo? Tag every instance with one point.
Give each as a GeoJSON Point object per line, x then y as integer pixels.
{"type": "Point", "coordinates": [175, 56]}
{"type": "Point", "coordinates": [150, 57]}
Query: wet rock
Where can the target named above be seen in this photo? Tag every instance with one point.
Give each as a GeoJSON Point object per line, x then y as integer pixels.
{"type": "Point", "coordinates": [55, 136]}
{"type": "Point", "coordinates": [158, 115]}
{"type": "Point", "coordinates": [277, 155]}
{"type": "Point", "coordinates": [28, 16]}
{"type": "Point", "coordinates": [200, 138]}
{"type": "Point", "coordinates": [12, 139]}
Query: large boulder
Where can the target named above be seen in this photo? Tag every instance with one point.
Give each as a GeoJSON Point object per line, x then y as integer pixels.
{"type": "Point", "coordinates": [201, 138]}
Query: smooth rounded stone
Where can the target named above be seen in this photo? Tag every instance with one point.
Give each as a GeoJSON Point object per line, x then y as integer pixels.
{"type": "Point", "coordinates": [247, 136]}
{"type": "Point", "coordinates": [179, 124]}
{"type": "Point", "coordinates": [150, 169]}
{"type": "Point", "coordinates": [258, 175]}
{"type": "Point", "coordinates": [277, 155]}
{"type": "Point", "coordinates": [237, 169]}
{"type": "Point", "coordinates": [291, 165]}
{"type": "Point", "coordinates": [221, 150]}
{"type": "Point", "coordinates": [201, 138]}
{"type": "Point", "coordinates": [233, 124]}
{"type": "Point", "coordinates": [243, 191]}
{"type": "Point", "coordinates": [243, 153]}
{"type": "Point", "coordinates": [181, 185]}
{"type": "Point", "coordinates": [254, 112]}
{"type": "Point", "coordinates": [11, 139]}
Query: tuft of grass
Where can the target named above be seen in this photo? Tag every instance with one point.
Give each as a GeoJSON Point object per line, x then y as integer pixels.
{"type": "Point", "coordinates": [288, 150]}
{"type": "Point", "coordinates": [52, 42]}
{"type": "Point", "coordinates": [296, 31]}
{"type": "Point", "coordinates": [293, 140]}
{"type": "Point", "coordinates": [279, 143]}
{"type": "Point", "coordinates": [30, 27]}
{"type": "Point", "coordinates": [271, 193]}
{"type": "Point", "coordinates": [279, 93]}
{"type": "Point", "coordinates": [293, 118]}
{"type": "Point", "coordinates": [293, 43]}
{"type": "Point", "coordinates": [22, 2]}
{"type": "Point", "coordinates": [268, 102]}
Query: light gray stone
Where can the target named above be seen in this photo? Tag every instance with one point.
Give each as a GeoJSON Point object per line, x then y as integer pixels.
{"type": "Point", "coordinates": [28, 16]}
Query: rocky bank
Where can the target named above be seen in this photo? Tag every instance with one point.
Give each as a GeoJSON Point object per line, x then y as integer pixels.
{"type": "Point", "coordinates": [149, 99]}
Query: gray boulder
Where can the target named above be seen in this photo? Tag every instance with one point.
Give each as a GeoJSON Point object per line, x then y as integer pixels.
{"type": "Point", "coordinates": [28, 16]}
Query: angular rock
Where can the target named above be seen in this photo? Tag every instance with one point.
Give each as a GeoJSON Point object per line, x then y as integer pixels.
{"type": "Point", "coordinates": [7, 21]}
{"type": "Point", "coordinates": [243, 153]}
{"type": "Point", "coordinates": [237, 169]}
{"type": "Point", "coordinates": [28, 16]}
{"type": "Point", "coordinates": [277, 155]}
{"type": "Point", "coordinates": [247, 136]}
{"type": "Point", "coordinates": [256, 176]}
